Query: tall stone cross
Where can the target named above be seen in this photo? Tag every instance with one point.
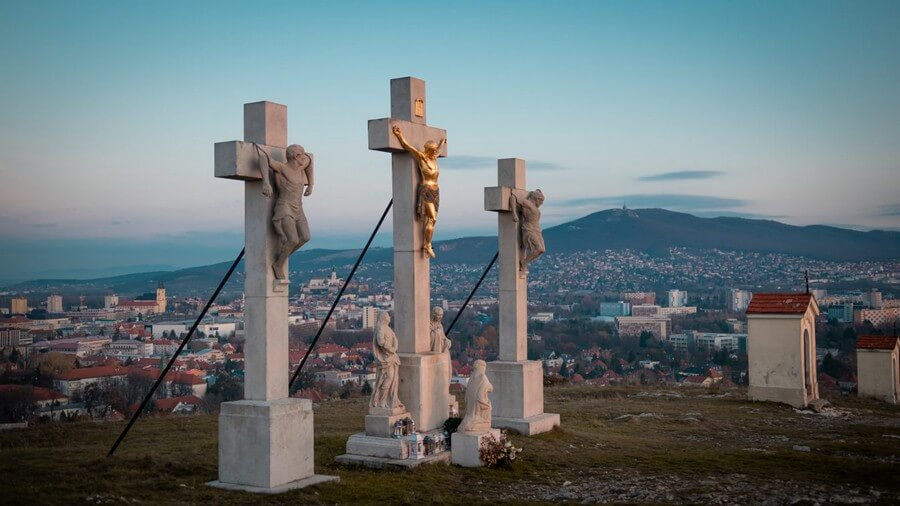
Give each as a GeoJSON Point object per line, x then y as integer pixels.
{"type": "Point", "coordinates": [421, 393]}
{"type": "Point", "coordinates": [266, 326]}
{"type": "Point", "coordinates": [265, 440]}
{"type": "Point", "coordinates": [518, 396]}
{"type": "Point", "coordinates": [513, 283]}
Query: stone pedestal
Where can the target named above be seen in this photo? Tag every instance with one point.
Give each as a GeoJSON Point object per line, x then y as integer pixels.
{"type": "Point", "coordinates": [518, 397]}
{"type": "Point", "coordinates": [425, 388]}
{"type": "Point", "coordinates": [267, 446]}
{"type": "Point", "coordinates": [382, 425]}
{"type": "Point", "coordinates": [466, 447]}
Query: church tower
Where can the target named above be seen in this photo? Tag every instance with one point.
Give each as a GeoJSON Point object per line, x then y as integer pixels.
{"type": "Point", "coordinates": [161, 298]}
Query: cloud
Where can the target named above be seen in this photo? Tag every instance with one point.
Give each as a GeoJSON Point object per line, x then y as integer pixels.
{"type": "Point", "coordinates": [680, 175]}
{"type": "Point", "coordinates": [891, 210]}
{"type": "Point", "coordinates": [472, 162]}
{"type": "Point", "coordinates": [672, 201]}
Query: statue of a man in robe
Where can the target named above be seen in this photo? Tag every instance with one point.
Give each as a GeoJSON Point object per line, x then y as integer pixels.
{"type": "Point", "coordinates": [478, 401]}
{"type": "Point", "coordinates": [384, 398]}
{"type": "Point", "coordinates": [439, 341]}
{"type": "Point", "coordinates": [526, 212]}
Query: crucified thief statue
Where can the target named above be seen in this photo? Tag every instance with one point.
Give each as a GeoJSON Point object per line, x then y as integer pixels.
{"type": "Point", "coordinates": [287, 217]}
{"type": "Point", "coordinates": [427, 194]}
{"type": "Point", "coordinates": [526, 210]}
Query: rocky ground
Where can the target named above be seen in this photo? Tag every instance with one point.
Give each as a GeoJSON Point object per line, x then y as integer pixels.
{"type": "Point", "coordinates": [615, 446]}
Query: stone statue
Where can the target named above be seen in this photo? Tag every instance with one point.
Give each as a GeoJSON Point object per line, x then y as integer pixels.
{"type": "Point", "coordinates": [287, 217]}
{"type": "Point", "coordinates": [439, 341]}
{"type": "Point", "coordinates": [531, 235]}
{"type": "Point", "coordinates": [384, 400]}
{"type": "Point", "coordinates": [427, 193]}
{"type": "Point", "coordinates": [478, 401]}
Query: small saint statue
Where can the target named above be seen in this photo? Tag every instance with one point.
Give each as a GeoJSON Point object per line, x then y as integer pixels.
{"type": "Point", "coordinates": [526, 212]}
{"type": "Point", "coordinates": [439, 341]}
{"type": "Point", "coordinates": [384, 398]}
{"type": "Point", "coordinates": [427, 193]}
{"type": "Point", "coordinates": [288, 219]}
{"type": "Point", "coordinates": [478, 401]}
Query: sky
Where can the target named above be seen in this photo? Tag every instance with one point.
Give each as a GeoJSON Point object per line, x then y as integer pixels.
{"type": "Point", "coordinates": [764, 109]}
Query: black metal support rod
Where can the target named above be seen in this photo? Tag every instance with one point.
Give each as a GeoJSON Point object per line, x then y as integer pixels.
{"type": "Point", "coordinates": [184, 342]}
{"type": "Point", "coordinates": [472, 293]}
{"type": "Point", "coordinates": [340, 294]}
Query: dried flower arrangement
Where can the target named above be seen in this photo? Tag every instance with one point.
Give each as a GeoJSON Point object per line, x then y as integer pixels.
{"type": "Point", "coordinates": [496, 453]}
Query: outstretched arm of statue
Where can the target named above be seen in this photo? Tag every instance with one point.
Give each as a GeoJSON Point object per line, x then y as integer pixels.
{"type": "Point", "coordinates": [309, 176]}
{"type": "Point", "coordinates": [514, 207]}
{"type": "Point", "coordinates": [264, 170]}
{"type": "Point", "coordinates": [407, 146]}
{"type": "Point", "coordinates": [441, 145]}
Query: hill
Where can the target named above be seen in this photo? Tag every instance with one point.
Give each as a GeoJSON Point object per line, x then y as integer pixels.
{"type": "Point", "coordinates": [648, 230]}
{"type": "Point", "coordinates": [615, 445]}
{"type": "Point", "coordinates": [657, 229]}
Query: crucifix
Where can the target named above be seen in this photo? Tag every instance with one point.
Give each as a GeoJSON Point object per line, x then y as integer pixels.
{"type": "Point", "coordinates": [265, 440]}
{"type": "Point", "coordinates": [406, 135]}
{"type": "Point", "coordinates": [518, 396]}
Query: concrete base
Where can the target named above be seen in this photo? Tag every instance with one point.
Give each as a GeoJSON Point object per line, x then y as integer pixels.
{"type": "Point", "coordinates": [425, 388]}
{"type": "Point", "coordinates": [380, 452]}
{"type": "Point", "coordinates": [518, 397]}
{"type": "Point", "coordinates": [528, 426]}
{"type": "Point", "coordinates": [466, 447]}
{"type": "Point", "coordinates": [795, 397]}
{"type": "Point", "coordinates": [294, 485]}
{"type": "Point", "coordinates": [383, 463]}
{"type": "Point", "coordinates": [364, 445]}
{"type": "Point", "coordinates": [266, 445]}
{"type": "Point", "coordinates": [382, 426]}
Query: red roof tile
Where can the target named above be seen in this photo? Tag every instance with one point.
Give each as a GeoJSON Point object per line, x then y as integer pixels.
{"type": "Point", "coordinates": [35, 394]}
{"type": "Point", "coordinates": [105, 371]}
{"type": "Point", "coordinates": [876, 342]}
{"type": "Point", "coordinates": [779, 303]}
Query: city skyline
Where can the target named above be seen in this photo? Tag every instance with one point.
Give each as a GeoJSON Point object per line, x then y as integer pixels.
{"type": "Point", "coordinates": [712, 109]}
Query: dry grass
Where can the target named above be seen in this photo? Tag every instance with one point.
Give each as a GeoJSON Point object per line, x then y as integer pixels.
{"type": "Point", "coordinates": [684, 447]}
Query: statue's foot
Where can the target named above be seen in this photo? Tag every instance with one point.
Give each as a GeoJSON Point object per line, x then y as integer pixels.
{"type": "Point", "coordinates": [279, 272]}
{"type": "Point", "coordinates": [429, 252]}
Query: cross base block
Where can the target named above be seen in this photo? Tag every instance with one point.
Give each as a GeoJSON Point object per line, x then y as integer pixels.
{"type": "Point", "coordinates": [518, 397]}
{"type": "Point", "coordinates": [266, 446]}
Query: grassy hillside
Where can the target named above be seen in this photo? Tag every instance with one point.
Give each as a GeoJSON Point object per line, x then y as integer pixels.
{"type": "Point", "coordinates": [614, 445]}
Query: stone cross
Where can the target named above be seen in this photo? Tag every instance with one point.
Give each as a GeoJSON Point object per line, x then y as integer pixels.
{"type": "Point", "coordinates": [518, 395]}
{"type": "Point", "coordinates": [424, 376]}
{"type": "Point", "coordinates": [513, 283]}
{"type": "Point", "coordinates": [266, 372]}
{"type": "Point", "coordinates": [412, 290]}
{"type": "Point", "coordinates": [266, 439]}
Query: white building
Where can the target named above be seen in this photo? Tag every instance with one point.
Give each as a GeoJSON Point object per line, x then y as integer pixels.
{"type": "Point", "coordinates": [110, 301]}
{"type": "Point", "coordinates": [781, 348]}
{"type": "Point", "coordinates": [54, 304]}
{"type": "Point", "coordinates": [542, 317]}
{"type": "Point", "coordinates": [368, 317]}
{"type": "Point", "coordinates": [877, 370]}
{"type": "Point", "coordinates": [739, 300]}
{"type": "Point", "coordinates": [677, 298]}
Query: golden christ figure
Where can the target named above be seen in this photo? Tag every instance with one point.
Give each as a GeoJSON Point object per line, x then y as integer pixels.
{"type": "Point", "coordinates": [427, 194]}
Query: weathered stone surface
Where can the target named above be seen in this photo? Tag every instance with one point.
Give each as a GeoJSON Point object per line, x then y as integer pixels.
{"type": "Point", "coordinates": [467, 447]}
{"type": "Point", "coordinates": [266, 444]}
{"type": "Point", "coordinates": [382, 425]}
{"type": "Point", "coordinates": [425, 388]}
